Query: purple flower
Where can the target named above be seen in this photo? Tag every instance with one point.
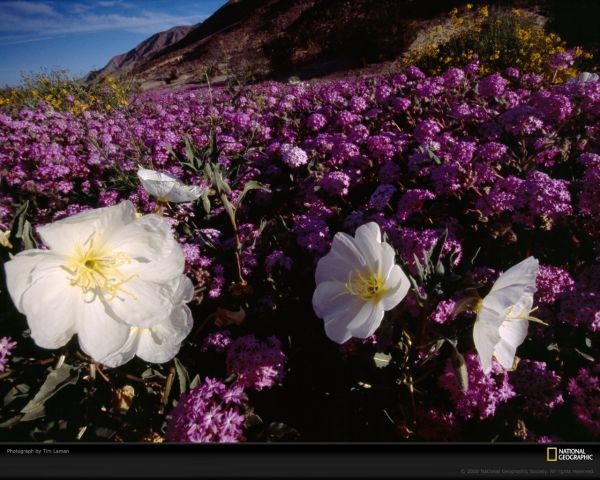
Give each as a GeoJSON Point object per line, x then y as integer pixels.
{"type": "Point", "coordinates": [583, 390]}
{"type": "Point", "coordinates": [209, 412]}
{"type": "Point", "coordinates": [381, 197]}
{"type": "Point", "coordinates": [336, 183]}
{"type": "Point", "coordinates": [551, 283]}
{"type": "Point", "coordinates": [217, 341]}
{"type": "Point", "coordinates": [443, 311]}
{"type": "Point", "coordinates": [426, 130]}
{"type": "Point", "coordinates": [492, 85]}
{"type": "Point", "coordinates": [412, 202]}
{"type": "Point", "coordinates": [538, 387]}
{"type": "Point", "coordinates": [258, 364]}
{"type": "Point", "coordinates": [293, 157]}
{"type": "Point", "coordinates": [6, 348]}
{"type": "Point", "coordinates": [561, 61]}
{"type": "Point", "coordinates": [485, 393]}
{"type": "Point", "coordinates": [278, 259]}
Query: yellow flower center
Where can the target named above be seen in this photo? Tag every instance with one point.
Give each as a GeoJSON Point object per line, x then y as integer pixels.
{"type": "Point", "coordinates": [367, 287]}
{"type": "Point", "coordinates": [94, 268]}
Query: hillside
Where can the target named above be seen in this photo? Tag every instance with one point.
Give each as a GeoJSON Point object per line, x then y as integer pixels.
{"type": "Point", "coordinates": [307, 38]}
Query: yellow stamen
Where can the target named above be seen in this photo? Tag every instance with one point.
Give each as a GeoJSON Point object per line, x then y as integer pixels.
{"type": "Point", "coordinates": [367, 287]}
{"type": "Point", "coordinates": [95, 269]}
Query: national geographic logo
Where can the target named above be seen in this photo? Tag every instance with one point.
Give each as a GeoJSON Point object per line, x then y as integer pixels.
{"type": "Point", "coordinates": [555, 454]}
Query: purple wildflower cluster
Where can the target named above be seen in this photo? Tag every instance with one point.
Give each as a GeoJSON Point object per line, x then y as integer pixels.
{"type": "Point", "coordinates": [485, 393]}
{"type": "Point", "coordinates": [258, 364]}
{"type": "Point", "coordinates": [210, 412]}
{"type": "Point", "coordinates": [507, 165]}
{"type": "Point", "coordinates": [6, 348]}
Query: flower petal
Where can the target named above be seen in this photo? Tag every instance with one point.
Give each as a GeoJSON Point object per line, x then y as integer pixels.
{"type": "Point", "coordinates": [505, 354]}
{"type": "Point", "coordinates": [371, 323]}
{"type": "Point", "coordinates": [100, 335]}
{"type": "Point", "coordinates": [140, 303]}
{"type": "Point", "coordinates": [162, 342]}
{"type": "Point", "coordinates": [157, 184]}
{"type": "Point", "coordinates": [52, 305]}
{"type": "Point", "coordinates": [343, 251]}
{"type": "Point", "coordinates": [398, 285]}
{"type": "Point", "coordinates": [329, 297]}
{"type": "Point", "coordinates": [63, 236]}
{"type": "Point", "coordinates": [26, 268]}
{"type": "Point", "coordinates": [368, 241]}
{"type": "Point", "coordinates": [512, 285]}
{"type": "Point", "coordinates": [486, 337]}
{"type": "Point", "coordinates": [156, 255]}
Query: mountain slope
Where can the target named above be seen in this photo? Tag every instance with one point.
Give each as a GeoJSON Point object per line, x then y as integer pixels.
{"type": "Point", "coordinates": [124, 62]}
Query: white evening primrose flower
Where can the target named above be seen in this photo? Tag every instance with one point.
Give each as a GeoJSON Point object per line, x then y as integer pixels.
{"type": "Point", "coordinates": [105, 273]}
{"type": "Point", "coordinates": [503, 315]}
{"type": "Point", "coordinates": [585, 77]}
{"type": "Point", "coordinates": [166, 187]}
{"type": "Point", "coordinates": [357, 281]}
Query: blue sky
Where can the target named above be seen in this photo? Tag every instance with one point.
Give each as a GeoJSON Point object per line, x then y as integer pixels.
{"type": "Point", "coordinates": [81, 35]}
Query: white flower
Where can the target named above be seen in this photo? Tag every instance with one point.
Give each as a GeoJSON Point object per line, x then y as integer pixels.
{"type": "Point", "coordinates": [167, 188]}
{"type": "Point", "coordinates": [356, 282]}
{"type": "Point", "coordinates": [111, 278]}
{"type": "Point", "coordinates": [585, 77]}
{"type": "Point", "coordinates": [503, 315]}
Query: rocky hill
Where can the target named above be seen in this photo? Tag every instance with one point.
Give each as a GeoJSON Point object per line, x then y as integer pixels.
{"type": "Point", "coordinates": [125, 62]}
{"type": "Point", "coordinates": [280, 38]}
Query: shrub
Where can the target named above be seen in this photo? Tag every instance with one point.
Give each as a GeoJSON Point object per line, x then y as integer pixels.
{"type": "Point", "coordinates": [498, 38]}
{"type": "Point", "coordinates": [61, 92]}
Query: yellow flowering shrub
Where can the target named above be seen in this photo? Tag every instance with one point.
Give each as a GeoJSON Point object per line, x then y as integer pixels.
{"type": "Point", "coordinates": [500, 38]}
{"type": "Point", "coordinates": [61, 92]}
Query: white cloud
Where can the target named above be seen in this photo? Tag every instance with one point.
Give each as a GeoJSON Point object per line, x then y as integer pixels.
{"type": "Point", "coordinates": [23, 21]}
{"type": "Point", "coordinates": [28, 8]}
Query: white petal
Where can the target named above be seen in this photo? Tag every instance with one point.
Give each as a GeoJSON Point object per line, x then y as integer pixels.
{"type": "Point", "coordinates": [335, 267]}
{"type": "Point", "coordinates": [51, 305]}
{"type": "Point", "coordinates": [140, 303]}
{"type": "Point", "coordinates": [371, 323]}
{"type": "Point", "coordinates": [64, 235]}
{"type": "Point", "coordinates": [368, 241]}
{"type": "Point", "coordinates": [388, 259]}
{"type": "Point", "coordinates": [505, 354]}
{"type": "Point", "coordinates": [344, 251]}
{"type": "Point", "coordinates": [512, 285]}
{"type": "Point", "coordinates": [151, 349]}
{"type": "Point", "coordinates": [183, 289]}
{"type": "Point", "coordinates": [151, 245]}
{"type": "Point", "coordinates": [157, 184]}
{"type": "Point", "coordinates": [329, 297]}
{"type": "Point", "coordinates": [398, 285]}
{"type": "Point", "coordinates": [167, 187]}
{"type": "Point", "coordinates": [27, 267]}
{"type": "Point", "coordinates": [162, 342]}
{"type": "Point", "coordinates": [337, 322]}
{"type": "Point", "coordinates": [184, 193]}
{"type": "Point", "coordinates": [514, 332]}
{"type": "Point", "coordinates": [486, 336]}
{"type": "Point", "coordinates": [125, 353]}
{"type": "Point", "coordinates": [101, 336]}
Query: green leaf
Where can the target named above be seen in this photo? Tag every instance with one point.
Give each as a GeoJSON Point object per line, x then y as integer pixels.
{"type": "Point", "coordinates": [228, 207]}
{"type": "Point", "coordinates": [55, 381]}
{"type": "Point", "coordinates": [190, 154]}
{"type": "Point", "coordinates": [195, 382]}
{"type": "Point", "coordinates": [436, 251]}
{"type": "Point", "coordinates": [382, 360]}
{"type": "Point", "coordinates": [251, 185]}
{"type": "Point", "coordinates": [182, 375]}
{"type": "Point", "coordinates": [20, 228]}
{"type": "Point", "coordinates": [460, 369]}
{"type": "Point", "coordinates": [15, 392]}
